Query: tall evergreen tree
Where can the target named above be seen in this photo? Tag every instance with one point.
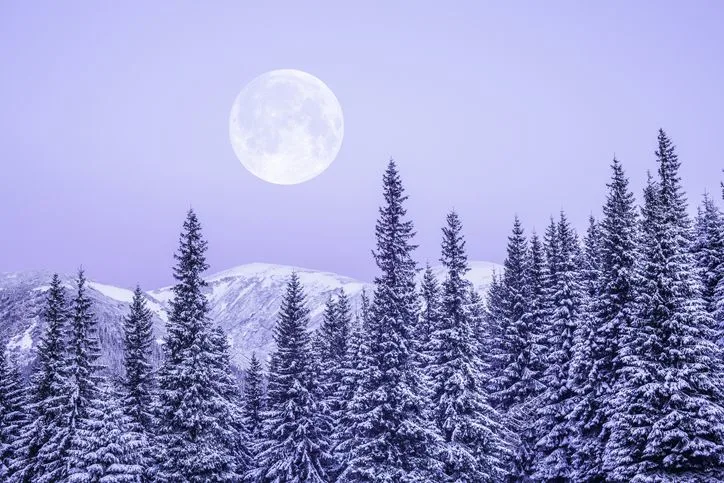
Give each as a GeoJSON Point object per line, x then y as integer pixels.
{"type": "Point", "coordinates": [581, 366]}
{"type": "Point", "coordinates": [343, 420]}
{"type": "Point", "coordinates": [708, 249]}
{"type": "Point", "coordinates": [489, 335]}
{"type": "Point", "coordinates": [333, 337]}
{"type": "Point", "coordinates": [610, 285]}
{"type": "Point", "coordinates": [294, 448]}
{"type": "Point", "coordinates": [196, 415]}
{"type": "Point", "coordinates": [108, 447]}
{"type": "Point", "coordinates": [473, 448]}
{"type": "Point", "coordinates": [253, 399]}
{"type": "Point", "coordinates": [12, 410]}
{"type": "Point", "coordinates": [553, 458]}
{"type": "Point", "coordinates": [429, 314]}
{"type": "Point", "coordinates": [85, 351]}
{"type": "Point", "coordinates": [667, 422]}
{"type": "Point", "coordinates": [390, 439]}
{"type": "Point", "coordinates": [516, 381]}
{"type": "Point", "coordinates": [139, 384]}
{"type": "Point", "coordinates": [41, 451]}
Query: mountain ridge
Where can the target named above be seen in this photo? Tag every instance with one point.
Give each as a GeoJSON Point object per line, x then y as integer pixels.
{"type": "Point", "coordinates": [243, 300]}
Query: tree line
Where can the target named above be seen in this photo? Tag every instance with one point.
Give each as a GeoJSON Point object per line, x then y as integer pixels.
{"type": "Point", "coordinates": [594, 358]}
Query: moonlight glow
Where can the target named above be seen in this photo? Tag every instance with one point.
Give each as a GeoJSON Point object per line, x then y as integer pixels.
{"type": "Point", "coordinates": [286, 126]}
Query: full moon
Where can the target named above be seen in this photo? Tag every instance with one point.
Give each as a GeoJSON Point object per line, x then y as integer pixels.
{"type": "Point", "coordinates": [286, 126]}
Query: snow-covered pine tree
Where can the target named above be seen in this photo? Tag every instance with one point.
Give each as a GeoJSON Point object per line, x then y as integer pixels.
{"type": "Point", "coordinates": [429, 314]}
{"type": "Point", "coordinates": [476, 313]}
{"type": "Point", "coordinates": [488, 336]}
{"type": "Point", "coordinates": [107, 447]}
{"type": "Point", "coordinates": [516, 382]}
{"type": "Point", "coordinates": [537, 302]}
{"type": "Point", "coordinates": [233, 437]}
{"type": "Point", "coordinates": [342, 439]}
{"type": "Point", "coordinates": [293, 448]}
{"type": "Point", "coordinates": [667, 421]}
{"type": "Point", "coordinates": [474, 447]}
{"type": "Point", "coordinates": [708, 249]}
{"type": "Point", "coordinates": [390, 439]}
{"type": "Point", "coordinates": [12, 410]}
{"type": "Point", "coordinates": [253, 404]}
{"type": "Point", "coordinates": [332, 337]}
{"type": "Point", "coordinates": [579, 420]}
{"type": "Point", "coordinates": [138, 382]}
{"type": "Point", "coordinates": [84, 353]}
{"type": "Point", "coordinates": [195, 414]}
{"type": "Point", "coordinates": [553, 452]}
{"type": "Point", "coordinates": [609, 279]}
{"type": "Point", "coordinates": [41, 450]}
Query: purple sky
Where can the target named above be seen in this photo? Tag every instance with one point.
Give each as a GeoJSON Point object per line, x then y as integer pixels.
{"type": "Point", "coordinates": [114, 121]}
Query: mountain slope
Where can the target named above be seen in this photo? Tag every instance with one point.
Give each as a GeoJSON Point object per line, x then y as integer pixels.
{"type": "Point", "coordinates": [244, 301]}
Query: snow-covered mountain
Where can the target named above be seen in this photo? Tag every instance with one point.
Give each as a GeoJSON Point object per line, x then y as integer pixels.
{"type": "Point", "coordinates": [244, 301]}
{"type": "Point", "coordinates": [22, 296]}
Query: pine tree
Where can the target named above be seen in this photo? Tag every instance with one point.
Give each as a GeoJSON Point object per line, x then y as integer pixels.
{"type": "Point", "coordinates": [553, 458]}
{"type": "Point", "coordinates": [429, 314]}
{"type": "Point", "coordinates": [667, 421]}
{"type": "Point", "coordinates": [489, 335]}
{"type": "Point", "coordinates": [196, 416]}
{"type": "Point", "coordinates": [85, 351]}
{"type": "Point", "coordinates": [233, 438]}
{"type": "Point", "coordinates": [708, 251]}
{"type": "Point", "coordinates": [579, 378]}
{"type": "Point", "coordinates": [357, 348]}
{"type": "Point", "coordinates": [41, 450]}
{"type": "Point", "coordinates": [332, 336]}
{"type": "Point", "coordinates": [253, 398]}
{"type": "Point", "coordinates": [139, 384]}
{"type": "Point", "coordinates": [108, 447]}
{"type": "Point", "coordinates": [609, 279]}
{"type": "Point", "coordinates": [514, 384]}
{"type": "Point", "coordinates": [473, 447]}
{"type": "Point", "coordinates": [517, 379]}
{"type": "Point", "coordinates": [294, 448]}
{"type": "Point", "coordinates": [12, 410]}
{"type": "Point", "coordinates": [389, 438]}
{"type": "Point", "coordinates": [477, 315]}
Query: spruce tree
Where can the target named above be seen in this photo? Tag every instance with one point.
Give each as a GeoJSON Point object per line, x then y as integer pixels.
{"type": "Point", "coordinates": [293, 448]}
{"type": "Point", "coordinates": [609, 279]}
{"type": "Point", "coordinates": [579, 420]}
{"type": "Point", "coordinates": [343, 439]}
{"type": "Point", "coordinates": [12, 410]}
{"type": "Point", "coordinates": [108, 447]}
{"type": "Point", "coordinates": [253, 399]}
{"type": "Point", "coordinates": [196, 415]}
{"type": "Point", "coordinates": [473, 447]}
{"type": "Point", "coordinates": [429, 314]}
{"type": "Point", "coordinates": [85, 351]}
{"type": "Point", "coordinates": [332, 336]}
{"type": "Point", "coordinates": [489, 339]}
{"type": "Point", "coordinates": [708, 249]}
{"type": "Point", "coordinates": [41, 450]}
{"type": "Point", "coordinates": [517, 381]}
{"type": "Point", "coordinates": [138, 382]}
{"type": "Point", "coordinates": [389, 439]}
{"type": "Point", "coordinates": [553, 452]}
{"type": "Point", "coordinates": [667, 419]}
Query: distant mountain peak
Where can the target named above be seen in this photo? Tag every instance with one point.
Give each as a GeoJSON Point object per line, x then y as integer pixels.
{"type": "Point", "coordinates": [244, 301]}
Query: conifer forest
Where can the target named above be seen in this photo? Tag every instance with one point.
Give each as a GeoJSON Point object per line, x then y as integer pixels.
{"type": "Point", "coordinates": [593, 357]}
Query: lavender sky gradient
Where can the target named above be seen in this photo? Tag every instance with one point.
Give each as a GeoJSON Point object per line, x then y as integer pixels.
{"type": "Point", "coordinates": [114, 122]}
